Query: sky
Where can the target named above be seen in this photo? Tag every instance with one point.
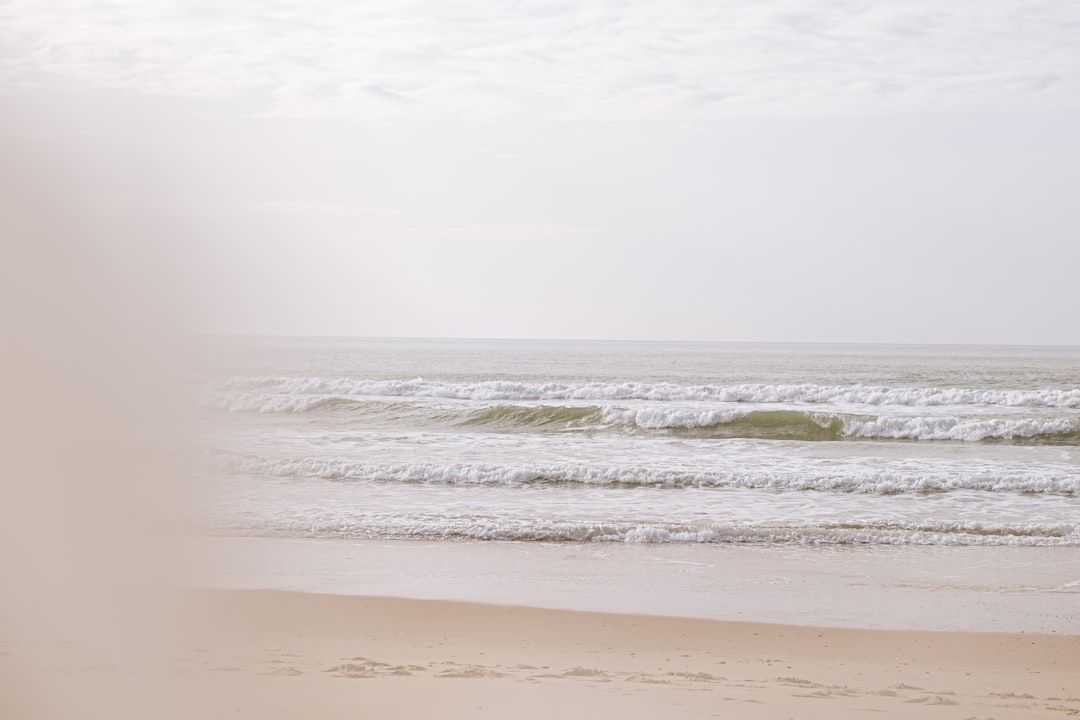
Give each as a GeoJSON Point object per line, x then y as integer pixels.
{"type": "Point", "coordinates": [747, 170]}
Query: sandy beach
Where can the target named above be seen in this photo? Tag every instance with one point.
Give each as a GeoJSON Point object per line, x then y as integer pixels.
{"type": "Point", "coordinates": [340, 649]}
{"type": "Point", "coordinates": [386, 657]}
{"type": "Point", "coordinates": [258, 654]}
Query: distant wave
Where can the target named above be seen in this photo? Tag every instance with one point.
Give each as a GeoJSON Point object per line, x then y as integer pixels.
{"type": "Point", "coordinates": [732, 422]}
{"type": "Point", "coordinates": [797, 425]}
{"type": "Point", "coordinates": [486, 528]}
{"type": "Point", "coordinates": [822, 479]}
{"type": "Point", "coordinates": [738, 422]}
{"type": "Point", "coordinates": [750, 393]}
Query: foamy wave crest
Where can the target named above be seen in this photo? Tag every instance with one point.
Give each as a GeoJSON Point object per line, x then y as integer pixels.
{"type": "Point", "coordinates": [486, 528]}
{"type": "Point", "coordinates": [266, 402]}
{"type": "Point", "coordinates": [783, 424]}
{"type": "Point", "coordinates": [730, 422]}
{"type": "Point", "coordinates": [750, 393]}
{"type": "Point", "coordinates": [658, 418]}
{"type": "Point", "coordinates": [967, 429]}
{"type": "Point", "coordinates": [884, 483]}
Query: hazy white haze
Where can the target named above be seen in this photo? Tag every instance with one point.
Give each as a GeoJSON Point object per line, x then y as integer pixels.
{"type": "Point", "coordinates": [761, 171]}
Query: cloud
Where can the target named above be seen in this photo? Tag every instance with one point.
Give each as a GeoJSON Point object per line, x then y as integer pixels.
{"type": "Point", "coordinates": [482, 62]}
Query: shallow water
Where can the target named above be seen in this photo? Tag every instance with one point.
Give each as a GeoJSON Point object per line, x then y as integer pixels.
{"type": "Point", "coordinates": [924, 587]}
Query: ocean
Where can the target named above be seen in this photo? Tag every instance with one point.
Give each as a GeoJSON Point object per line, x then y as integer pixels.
{"type": "Point", "coordinates": [643, 443]}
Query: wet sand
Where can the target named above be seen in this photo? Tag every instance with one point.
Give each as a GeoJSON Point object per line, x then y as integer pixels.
{"type": "Point", "coordinates": [995, 589]}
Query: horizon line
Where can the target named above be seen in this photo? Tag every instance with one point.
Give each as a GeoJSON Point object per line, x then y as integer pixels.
{"type": "Point", "coordinates": [319, 336]}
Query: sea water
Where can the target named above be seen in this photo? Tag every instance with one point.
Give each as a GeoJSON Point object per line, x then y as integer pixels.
{"type": "Point", "coordinates": [626, 442]}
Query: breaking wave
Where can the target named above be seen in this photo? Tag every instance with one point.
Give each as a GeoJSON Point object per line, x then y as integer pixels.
{"type": "Point", "coordinates": [730, 422]}
{"type": "Point", "coordinates": [485, 528]}
{"type": "Point", "coordinates": [888, 482]}
{"type": "Point", "coordinates": [749, 393]}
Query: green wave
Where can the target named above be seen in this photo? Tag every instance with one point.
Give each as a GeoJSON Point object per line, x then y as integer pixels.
{"type": "Point", "coordinates": [774, 425]}
{"type": "Point", "coordinates": [536, 416]}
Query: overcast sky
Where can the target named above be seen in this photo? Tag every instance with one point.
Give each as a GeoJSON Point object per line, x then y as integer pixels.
{"type": "Point", "coordinates": [763, 170]}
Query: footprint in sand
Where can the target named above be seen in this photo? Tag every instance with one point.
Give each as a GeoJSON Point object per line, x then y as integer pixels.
{"type": "Point", "coordinates": [698, 676]}
{"type": "Point", "coordinates": [648, 679]}
{"type": "Point", "coordinates": [583, 672]}
{"type": "Point", "coordinates": [471, 671]}
{"type": "Point", "coordinates": [354, 670]}
{"type": "Point", "coordinates": [362, 667]}
{"type": "Point", "coordinates": [933, 700]}
{"type": "Point", "coordinates": [288, 671]}
{"type": "Point", "coordinates": [1009, 695]}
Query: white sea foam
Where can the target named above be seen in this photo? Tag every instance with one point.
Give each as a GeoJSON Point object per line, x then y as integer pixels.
{"type": "Point", "coordinates": [487, 528]}
{"type": "Point", "coordinates": [658, 418]}
{"type": "Point", "coordinates": [885, 481]}
{"type": "Point", "coordinates": [749, 393]}
{"type": "Point", "coordinates": [951, 428]}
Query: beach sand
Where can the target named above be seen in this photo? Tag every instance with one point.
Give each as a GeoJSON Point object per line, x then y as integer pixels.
{"type": "Point", "coordinates": [265, 654]}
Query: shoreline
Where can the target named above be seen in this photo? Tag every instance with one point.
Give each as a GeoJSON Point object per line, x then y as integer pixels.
{"type": "Point", "coordinates": [284, 627]}
{"type": "Point", "coordinates": [989, 589]}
